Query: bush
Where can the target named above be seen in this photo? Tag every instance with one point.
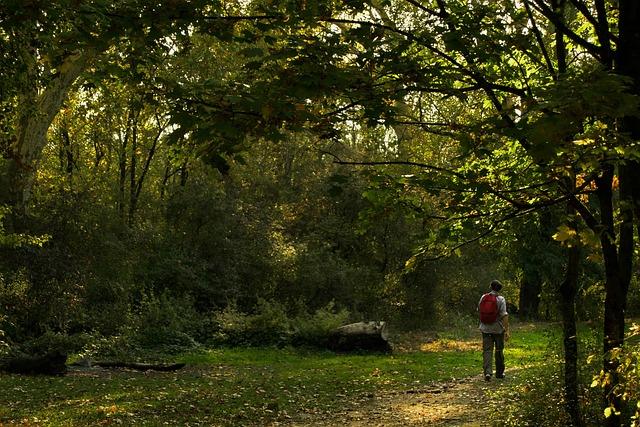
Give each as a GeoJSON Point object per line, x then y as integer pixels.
{"type": "Point", "coordinates": [55, 342]}
{"type": "Point", "coordinates": [315, 329]}
{"type": "Point", "coordinates": [536, 397]}
{"type": "Point", "coordinates": [272, 325]}
{"type": "Point", "coordinates": [267, 326]}
{"type": "Point", "coordinates": [4, 346]}
{"type": "Point", "coordinates": [160, 325]}
{"type": "Point", "coordinates": [115, 347]}
{"type": "Point", "coordinates": [628, 387]}
{"type": "Point", "coordinates": [165, 322]}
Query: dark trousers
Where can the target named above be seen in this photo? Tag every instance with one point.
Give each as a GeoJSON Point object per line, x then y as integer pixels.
{"type": "Point", "coordinates": [489, 341]}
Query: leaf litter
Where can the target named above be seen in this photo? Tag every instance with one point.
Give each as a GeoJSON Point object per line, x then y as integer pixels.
{"type": "Point", "coordinates": [455, 403]}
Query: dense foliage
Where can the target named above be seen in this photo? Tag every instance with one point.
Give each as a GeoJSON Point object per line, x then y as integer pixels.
{"type": "Point", "coordinates": [192, 172]}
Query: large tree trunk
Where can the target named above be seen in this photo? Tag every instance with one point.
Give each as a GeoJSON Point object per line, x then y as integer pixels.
{"type": "Point", "coordinates": [37, 111]}
{"type": "Point", "coordinates": [618, 263]}
{"type": "Point", "coordinates": [570, 338]}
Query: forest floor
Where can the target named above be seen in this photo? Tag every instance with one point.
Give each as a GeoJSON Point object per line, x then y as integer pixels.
{"type": "Point", "coordinates": [456, 403]}
{"type": "Point", "coordinates": [430, 379]}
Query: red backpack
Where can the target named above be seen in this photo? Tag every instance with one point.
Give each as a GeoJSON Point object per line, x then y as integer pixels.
{"type": "Point", "coordinates": [488, 308]}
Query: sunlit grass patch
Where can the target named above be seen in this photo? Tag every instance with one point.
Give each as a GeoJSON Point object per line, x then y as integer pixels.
{"type": "Point", "coordinates": [451, 345]}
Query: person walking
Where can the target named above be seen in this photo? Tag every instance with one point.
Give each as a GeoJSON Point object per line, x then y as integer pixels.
{"type": "Point", "coordinates": [494, 325]}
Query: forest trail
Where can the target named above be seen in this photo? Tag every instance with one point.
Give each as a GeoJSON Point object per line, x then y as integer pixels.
{"type": "Point", "coordinates": [456, 403]}
{"type": "Point", "coordinates": [461, 402]}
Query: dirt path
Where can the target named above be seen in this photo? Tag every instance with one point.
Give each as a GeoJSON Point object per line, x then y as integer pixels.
{"type": "Point", "coordinates": [459, 403]}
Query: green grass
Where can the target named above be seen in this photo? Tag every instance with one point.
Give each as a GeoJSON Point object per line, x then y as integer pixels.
{"type": "Point", "coordinates": [247, 385]}
{"type": "Point", "coordinates": [535, 395]}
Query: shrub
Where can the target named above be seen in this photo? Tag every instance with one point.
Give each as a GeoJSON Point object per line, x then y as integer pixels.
{"type": "Point", "coordinates": [161, 325]}
{"type": "Point", "coordinates": [164, 322]}
{"type": "Point", "coordinates": [4, 345]}
{"type": "Point", "coordinates": [267, 326]}
{"type": "Point", "coordinates": [315, 329]}
{"type": "Point", "coordinates": [115, 347]}
{"type": "Point", "coordinates": [272, 325]}
{"type": "Point", "coordinates": [50, 342]}
{"type": "Point", "coordinates": [537, 400]}
{"type": "Point", "coordinates": [535, 396]}
{"type": "Point", "coordinates": [628, 388]}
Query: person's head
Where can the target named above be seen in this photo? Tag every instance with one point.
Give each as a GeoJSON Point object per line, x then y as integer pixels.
{"type": "Point", "coordinates": [496, 285]}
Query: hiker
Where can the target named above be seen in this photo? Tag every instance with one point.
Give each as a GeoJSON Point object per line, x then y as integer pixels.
{"type": "Point", "coordinates": [494, 325]}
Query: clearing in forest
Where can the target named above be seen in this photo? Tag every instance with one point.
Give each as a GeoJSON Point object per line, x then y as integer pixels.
{"type": "Point", "coordinates": [428, 380]}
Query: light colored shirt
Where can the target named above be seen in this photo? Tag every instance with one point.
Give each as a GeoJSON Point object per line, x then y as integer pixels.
{"type": "Point", "coordinates": [496, 327]}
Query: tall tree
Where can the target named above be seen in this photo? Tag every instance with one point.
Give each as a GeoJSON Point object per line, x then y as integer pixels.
{"type": "Point", "coordinates": [54, 44]}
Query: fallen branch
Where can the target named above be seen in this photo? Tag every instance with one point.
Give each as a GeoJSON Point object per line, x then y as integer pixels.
{"type": "Point", "coordinates": [165, 367]}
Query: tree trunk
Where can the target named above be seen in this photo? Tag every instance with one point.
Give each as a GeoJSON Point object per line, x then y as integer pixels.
{"type": "Point", "coordinates": [37, 112]}
{"type": "Point", "coordinates": [569, 287]}
{"type": "Point", "coordinates": [529, 301]}
{"type": "Point", "coordinates": [568, 292]}
{"type": "Point", "coordinates": [136, 184]}
{"type": "Point", "coordinates": [617, 263]}
{"type": "Point", "coordinates": [133, 167]}
{"type": "Point", "coordinates": [163, 367]}
{"type": "Point", "coordinates": [122, 162]}
{"type": "Point", "coordinates": [67, 157]}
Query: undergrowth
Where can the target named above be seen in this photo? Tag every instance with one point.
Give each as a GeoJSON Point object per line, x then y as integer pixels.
{"type": "Point", "coordinates": [535, 396]}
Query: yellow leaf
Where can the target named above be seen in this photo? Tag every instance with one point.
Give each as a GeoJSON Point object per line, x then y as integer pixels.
{"type": "Point", "coordinates": [411, 262]}
{"type": "Point", "coordinates": [564, 233]}
{"type": "Point", "coordinates": [586, 141]}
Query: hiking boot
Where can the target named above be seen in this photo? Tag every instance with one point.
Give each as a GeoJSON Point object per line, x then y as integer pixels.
{"type": "Point", "coordinates": [500, 377]}
{"type": "Point", "coordinates": [487, 377]}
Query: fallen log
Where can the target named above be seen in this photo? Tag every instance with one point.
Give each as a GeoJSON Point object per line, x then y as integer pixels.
{"type": "Point", "coordinates": [361, 336]}
{"type": "Point", "coordinates": [165, 367]}
{"type": "Point", "coordinates": [53, 363]}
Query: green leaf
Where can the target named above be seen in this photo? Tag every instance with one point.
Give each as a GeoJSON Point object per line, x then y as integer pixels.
{"type": "Point", "coordinates": [252, 51]}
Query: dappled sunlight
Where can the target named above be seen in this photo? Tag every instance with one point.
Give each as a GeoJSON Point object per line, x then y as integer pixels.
{"type": "Point", "coordinates": [450, 345]}
{"type": "Point", "coordinates": [427, 342]}
{"type": "Point", "coordinates": [460, 403]}
{"type": "Point", "coordinates": [429, 413]}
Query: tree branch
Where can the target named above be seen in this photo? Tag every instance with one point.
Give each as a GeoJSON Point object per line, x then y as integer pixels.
{"type": "Point", "coordinates": [538, 35]}
{"type": "Point", "coordinates": [604, 34]}
{"type": "Point", "coordinates": [545, 10]}
{"type": "Point", "coordinates": [339, 161]}
{"type": "Point", "coordinates": [424, 8]}
{"type": "Point", "coordinates": [241, 17]}
{"type": "Point", "coordinates": [491, 229]}
{"type": "Point", "coordinates": [584, 10]}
